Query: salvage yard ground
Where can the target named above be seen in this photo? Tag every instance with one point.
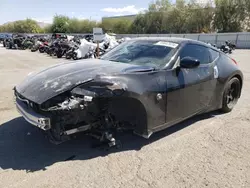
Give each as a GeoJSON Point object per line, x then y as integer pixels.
{"type": "Point", "coordinates": [206, 151]}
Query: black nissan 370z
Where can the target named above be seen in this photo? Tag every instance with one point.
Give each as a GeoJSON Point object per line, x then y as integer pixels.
{"type": "Point", "coordinates": [143, 85]}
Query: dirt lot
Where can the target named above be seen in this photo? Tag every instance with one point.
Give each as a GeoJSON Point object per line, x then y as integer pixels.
{"type": "Point", "coordinates": [206, 151]}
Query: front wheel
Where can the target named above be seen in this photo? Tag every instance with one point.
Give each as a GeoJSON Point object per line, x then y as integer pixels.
{"type": "Point", "coordinates": [231, 95]}
{"type": "Point", "coordinates": [55, 137]}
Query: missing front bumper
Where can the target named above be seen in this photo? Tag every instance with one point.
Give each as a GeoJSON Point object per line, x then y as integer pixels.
{"type": "Point", "coordinates": [32, 117]}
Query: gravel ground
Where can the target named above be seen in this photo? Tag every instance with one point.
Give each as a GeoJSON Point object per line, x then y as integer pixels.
{"type": "Point", "coordinates": [206, 151]}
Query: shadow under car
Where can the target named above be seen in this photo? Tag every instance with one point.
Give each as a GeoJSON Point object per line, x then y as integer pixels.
{"type": "Point", "coordinates": [23, 146]}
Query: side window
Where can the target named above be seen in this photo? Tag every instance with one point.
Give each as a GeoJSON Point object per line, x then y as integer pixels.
{"type": "Point", "coordinates": [196, 51]}
{"type": "Point", "coordinates": [213, 54]}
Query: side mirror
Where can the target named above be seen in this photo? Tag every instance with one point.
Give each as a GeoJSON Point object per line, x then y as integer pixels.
{"type": "Point", "coordinates": [189, 63]}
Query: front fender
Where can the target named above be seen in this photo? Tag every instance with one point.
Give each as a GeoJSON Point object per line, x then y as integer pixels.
{"type": "Point", "coordinates": [142, 89]}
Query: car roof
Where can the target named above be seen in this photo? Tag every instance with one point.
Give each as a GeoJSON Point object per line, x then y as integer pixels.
{"type": "Point", "coordinates": [169, 39]}
{"type": "Point", "coordinates": [177, 40]}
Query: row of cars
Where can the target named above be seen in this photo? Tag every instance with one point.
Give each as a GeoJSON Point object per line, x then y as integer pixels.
{"type": "Point", "coordinates": [73, 47]}
{"type": "Point", "coordinates": [62, 45]}
{"type": "Point", "coordinates": [143, 85]}
{"type": "Point", "coordinates": [76, 47]}
{"type": "Point", "coordinates": [17, 41]}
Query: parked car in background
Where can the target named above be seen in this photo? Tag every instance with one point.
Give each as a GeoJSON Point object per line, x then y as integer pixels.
{"type": "Point", "coordinates": [2, 37]}
{"type": "Point", "coordinates": [5, 38]}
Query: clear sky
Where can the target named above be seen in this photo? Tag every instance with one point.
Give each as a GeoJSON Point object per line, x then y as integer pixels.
{"type": "Point", "coordinates": [44, 10]}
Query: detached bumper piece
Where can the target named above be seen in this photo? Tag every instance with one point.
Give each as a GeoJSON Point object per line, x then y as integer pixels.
{"type": "Point", "coordinates": [32, 117]}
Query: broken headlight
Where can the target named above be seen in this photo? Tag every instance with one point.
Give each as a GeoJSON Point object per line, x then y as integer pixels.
{"type": "Point", "coordinates": [98, 88]}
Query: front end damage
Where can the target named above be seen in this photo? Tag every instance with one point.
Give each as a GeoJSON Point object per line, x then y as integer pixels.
{"type": "Point", "coordinates": [93, 108]}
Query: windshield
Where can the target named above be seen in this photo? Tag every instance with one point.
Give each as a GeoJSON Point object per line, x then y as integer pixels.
{"type": "Point", "coordinates": [142, 52]}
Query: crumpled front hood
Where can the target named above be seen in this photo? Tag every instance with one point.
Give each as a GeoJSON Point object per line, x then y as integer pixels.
{"type": "Point", "coordinates": [62, 77]}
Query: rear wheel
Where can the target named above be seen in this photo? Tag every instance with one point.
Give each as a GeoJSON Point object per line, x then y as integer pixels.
{"type": "Point", "coordinates": [75, 56]}
{"type": "Point", "coordinates": [34, 49]}
{"type": "Point", "coordinates": [68, 56]}
{"type": "Point", "coordinates": [50, 52]}
{"type": "Point", "coordinates": [231, 95]}
{"type": "Point", "coordinates": [41, 50]}
{"type": "Point", "coordinates": [59, 54]}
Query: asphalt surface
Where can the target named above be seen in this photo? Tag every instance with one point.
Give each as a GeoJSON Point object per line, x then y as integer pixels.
{"type": "Point", "coordinates": [211, 150]}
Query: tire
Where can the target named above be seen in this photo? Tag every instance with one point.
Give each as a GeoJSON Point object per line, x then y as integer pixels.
{"type": "Point", "coordinates": [33, 49]}
{"type": "Point", "coordinates": [74, 56]}
{"type": "Point", "coordinates": [50, 52]}
{"type": "Point", "coordinates": [41, 50]}
{"type": "Point", "coordinates": [68, 56]}
{"type": "Point", "coordinates": [55, 137]}
{"type": "Point", "coordinates": [58, 53]}
{"type": "Point", "coordinates": [231, 95]}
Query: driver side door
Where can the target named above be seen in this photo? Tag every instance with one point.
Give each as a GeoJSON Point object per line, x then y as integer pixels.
{"type": "Point", "coordinates": [190, 90]}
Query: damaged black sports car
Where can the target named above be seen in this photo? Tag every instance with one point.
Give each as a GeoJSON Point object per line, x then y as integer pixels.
{"type": "Point", "coordinates": [144, 85]}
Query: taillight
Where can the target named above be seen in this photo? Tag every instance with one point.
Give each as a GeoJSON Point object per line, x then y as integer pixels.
{"type": "Point", "coordinates": [234, 61]}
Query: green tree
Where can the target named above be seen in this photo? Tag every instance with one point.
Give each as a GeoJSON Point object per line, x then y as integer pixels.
{"type": "Point", "coordinates": [138, 25]}
{"type": "Point", "coordinates": [246, 22]}
{"type": "Point", "coordinates": [159, 5]}
{"type": "Point", "coordinates": [27, 26]}
{"type": "Point", "coordinates": [47, 29]}
{"type": "Point", "coordinates": [108, 24]}
{"type": "Point", "coordinates": [180, 17]}
{"type": "Point", "coordinates": [60, 24]}
{"type": "Point", "coordinates": [199, 18]}
{"type": "Point", "coordinates": [22, 26]}
{"type": "Point", "coordinates": [116, 25]}
{"type": "Point", "coordinates": [122, 26]}
{"type": "Point", "coordinates": [229, 15]}
{"type": "Point", "coordinates": [162, 16]}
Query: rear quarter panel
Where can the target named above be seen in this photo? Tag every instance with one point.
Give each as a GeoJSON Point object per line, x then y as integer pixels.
{"type": "Point", "coordinates": [227, 70]}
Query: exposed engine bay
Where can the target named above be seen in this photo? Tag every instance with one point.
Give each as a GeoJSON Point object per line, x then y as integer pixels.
{"type": "Point", "coordinates": [94, 111]}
